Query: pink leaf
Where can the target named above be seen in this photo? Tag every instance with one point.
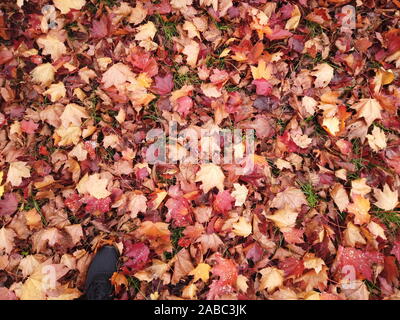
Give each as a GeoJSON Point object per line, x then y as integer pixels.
{"type": "Point", "coordinates": [8, 205]}
{"type": "Point", "coordinates": [163, 85]}
{"type": "Point", "coordinates": [223, 202]}
{"type": "Point", "coordinates": [263, 87]}
{"type": "Point", "coordinates": [28, 126]}
{"type": "Point", "coordinates": [138, 254]}
{"type": "Point", "coordinates": [184, 105]}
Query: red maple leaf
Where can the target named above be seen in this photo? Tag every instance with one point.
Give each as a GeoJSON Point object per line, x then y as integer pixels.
{"type": "Point", "coordinates": [138, 254]}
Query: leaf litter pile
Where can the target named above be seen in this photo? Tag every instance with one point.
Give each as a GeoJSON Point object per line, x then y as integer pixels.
{"type": "Point", "coordinates": [82, 82]}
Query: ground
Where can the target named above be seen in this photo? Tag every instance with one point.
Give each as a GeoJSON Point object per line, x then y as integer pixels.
{"type": "Point", "coordinates": [103, 101]}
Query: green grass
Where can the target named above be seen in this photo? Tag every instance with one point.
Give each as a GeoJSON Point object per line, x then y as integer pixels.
{"type": "Point", "coordinates": [134, 283]}
{"type": "Point", "coordinates": [215, 62]}
{"type": "Point", "coordinates": [390, 218]}
{"type": "Point", "coordinates": [70, 29]}
{"type": "Point", "coordinates": [176, 234]}
{"type": "Point", "coordinates": [231, 88]}
{"type": "Point", "coordinates": [167, 28]}
{"type": "Point", "coordinates": [315, 28]}
{"type": "Point", "coordinates": [188, 78]}
{"type": "Point", "coordinates": [109, 3]}
{"type": "Point", "coordinates": [311, 196]}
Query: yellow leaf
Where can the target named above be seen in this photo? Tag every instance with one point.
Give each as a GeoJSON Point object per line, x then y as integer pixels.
{"type": "Point", "coordinates": [291, 197]}
{"type": "Point", "coordinates": [52, 45]}
{"type": "Point", "coordinates": [17, 171]}
{"type": "Point", "coordinates": [211, 176]}
{"type": "Point", "coordinates": [339, 195]}
{"type": "Point", "coordinates": [93, 185]}
{"type": "Point", "coordinates": [7, 239]}
{"type": "Point", "coordinates": [242, 227]}
{"type": "Point", "coordinates": [262, 71]}
{"type": "Point", "coordinates": [210, 90]}
{"type": "Point", "coordinates": [377, 140]}
{"type": "Point", "coordinates": [56, 91]}
{"type": "Point", "coordinates": [387, 199]}
{"type": "Point", "coordinates": [146, 31]}
{"type": "Point", "coordinates": [66, 136]}
{"type": "Point", "coordinates": [331, 124]}
{"type": "Point", "coordinates": [241, 283]}
{"type": "Point", "coordinates": [360, 208]}
{"type": "Point", "coordinates": [191, 50]}
{"type": "Point", "coordinates": [43, 74]}
{"type": "Point", "coordinates": [117, 75]}
{"type": "Point", "coordinates": [271, 279]}
{"type": "Point", "coordinates": [284, 218]}
{"type": "Point", "coordinates": [66, 5]}
{"type": "Point", "coordinates": [86, 74]}
{"type": "Point", "coordinates": [189, 292]}
{"type": "Point", "coordinates": [324, 74]}
{"type": "Point", "coordinates": [360, 187]}
{"type": "Point", "coordinates": [352, 235]}
{"type": "Point", "coordinates": [202, 271]}
{"type": "Point", "coordinates": [72, 114]}
{"type": "Point", "coordinates": [33, 219]}
{"type": "Point", "coordinates": [312, 262]}
{"type": "Point", "coordinates": [293, 22]}
{"type": "Point", "coordinates": [239, 193]}
{"type": "Point", "coordinates": [369, 109]}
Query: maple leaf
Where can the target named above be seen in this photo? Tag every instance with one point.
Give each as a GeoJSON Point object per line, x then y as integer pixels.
{"type": "Point", "coordinates": [163, 85]}
{"type": "Point", "coordinates": [17, 171]}
{"type": "Point", "coordinates": [52, 45]}
{"type": "Point", "coordinates": [360, 208]}
{"type": "Point", "coordinates": [138, 254]}
{"type": "Point", "coordinates": [29, 127]}
{"type": "Point", "coordinates": [377, 140]}
{"type": "Point", "coordinates": [7, 239]}
{"type": "Point", "coordinates": [242, 227]}
{"type": "Point", "coordinates": [191, 50]}
{"type": "Point", "coordinates": [362, 261]}
{"type": "Point", "coordinates": [387, 199]}
{"type": "Point", "coordinates": [324, 74]}
{"type": "Point", "coordinates": [284, 218]}
{"type": "Point", "coordinates": [226, 270]}
{"type": "Point", "coordinates": [262, 71]}
{"type": "Point", "coordinates": [202, 271]}
{"type": "Point", "coordinates": [66, 136]}
{"type": "Point", "coordinates": [239, 193]}
{"type": "Point", "coordinates": [146, 31]}
{"type": "Point", "coordinates": [43, 74]}
{"type": "Point", "coordinates": [157, 234]}
{"type": "Point", "coordinates": [223, 202]}
{"type": "Point", "coordinates": [294, 20]}
{"type": "Point", "coordinates": [117, 75]}
{"type": "Point", "coordinates": [369, 109]}
{"type": "Point", "coordinates": [183, 265]}
{"type": "Point", "coordinates": [66, 5]}
{"type": "Point", "coordinates": [291, 197]}
{"type": "Point", "coordinates": [339, 195]}
{"type": "Point", "coordinates": [72, 115]}
{"type": "Point", "coordinates": [352, 235]}
{"type": "Point", "coordinates": [210, 241]}
{"type": "Point", "coordinates": [359, 186]}
{"type": "Point", "coordinates": [56, 91]}
{"type": "Point", "coordinates": [271, 278]}
{"type": "Point", "coordinates": [93, 185]}
{"type": "Point", "coordinates": [179, 210]}
{"type": "Point", "coordinates": [8, 205]}
{"type": "Point", "coordinates": [211, 176]}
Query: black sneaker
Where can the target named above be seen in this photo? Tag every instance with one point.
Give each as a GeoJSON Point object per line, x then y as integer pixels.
{"type": "Point", "coordinates": [98, 284]}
